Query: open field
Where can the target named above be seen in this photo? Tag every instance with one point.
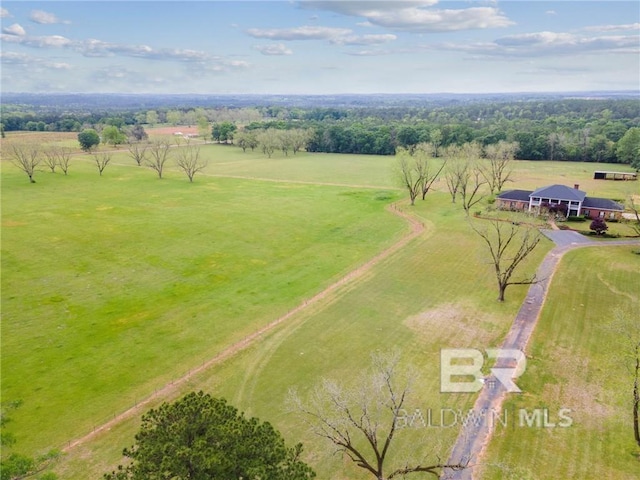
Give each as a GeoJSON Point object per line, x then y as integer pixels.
{"type": "Point", "coordinates": [576, 361]}
{"type": "Point", "coordinates": [117, 285]}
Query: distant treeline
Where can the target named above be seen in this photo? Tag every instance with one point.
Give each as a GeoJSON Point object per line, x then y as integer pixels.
{"type": "Point", "coordinates": [560, 129]}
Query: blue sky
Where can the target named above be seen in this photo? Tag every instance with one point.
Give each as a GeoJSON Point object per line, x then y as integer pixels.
{"type": "Point", "coordinates": [319, 47]}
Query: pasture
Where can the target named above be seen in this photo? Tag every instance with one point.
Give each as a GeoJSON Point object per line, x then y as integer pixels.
{"type": "Point", "coordinates": [115, 286]}
{"type": "Point", "coordinates": [579, 362]}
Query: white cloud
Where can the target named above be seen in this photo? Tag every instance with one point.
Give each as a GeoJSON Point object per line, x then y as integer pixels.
{"type": "Point", "coordinates": [44, 18]}
{"type": "Point", "coordinates": [4, 13]}
{"type": "Point", "coordinates": [417, 16]}
{"type": "Point", "coordinates": [24, 60]}
{"type": "Point", "coordinates": [551, 12]}
{"type": "Point", "coordinates": [364, 39]}
{"type": "Point", "coordinates": [15, 29]}
{"type": "Point", "coordinates": [336, 36]}
{"type": "Point", "coordinates": [236, 63]}
{"type": "Point", "coordinates": [549, 44]}
{"type": "Point", "coordinates": [58, 65]}
{"type": "Point", "coordinates": [306, 32]}
{"type": "Point", "coordinates": [417, 20]}
{"type": "Point", "coordinates": [372, 53]}
{"type": "Point", "coordinates": [50, 41]}
{"type": "Point", "coordinates": [613, 28]}
{"type": "Point", "coordinates": [273, 49]}
{"type": "Point", "coordinates": [99, 48]}
{"type": "Point", "coordinates": [14, 58]}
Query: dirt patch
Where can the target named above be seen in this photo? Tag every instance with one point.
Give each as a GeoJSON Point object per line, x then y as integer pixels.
{"type": "Point", "coordinates": [461, 324]}
{"type": "Point", "coordinates": [13, 223]}
{"type": "Point", "coordinates": [585, 399]}
{"type": "Point", "coordinates": [191, 130]}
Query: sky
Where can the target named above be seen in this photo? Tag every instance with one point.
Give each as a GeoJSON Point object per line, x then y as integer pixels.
{"type": "Point", "coordinates": [319, 47]}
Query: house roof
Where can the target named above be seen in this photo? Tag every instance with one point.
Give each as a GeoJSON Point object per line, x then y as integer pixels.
{"type": "Point", "coordinates": [560, 192]}
{"type": "Point", "coordinates": [601, 204]}
{"type": "Point", "coordinates": [516, 195]}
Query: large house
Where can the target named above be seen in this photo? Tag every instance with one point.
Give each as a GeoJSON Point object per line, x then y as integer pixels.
{"type": "Point", "coordinates": [576, 201]}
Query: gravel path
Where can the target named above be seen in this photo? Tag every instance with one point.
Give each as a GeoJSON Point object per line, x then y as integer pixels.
{"type": "Point", "coordinates": [475, 436]}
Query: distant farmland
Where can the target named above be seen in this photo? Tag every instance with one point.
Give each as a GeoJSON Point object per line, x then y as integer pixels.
{"type": "Point", "coordinates": [115, 286]}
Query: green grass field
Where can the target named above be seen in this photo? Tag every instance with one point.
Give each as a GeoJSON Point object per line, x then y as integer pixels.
{"type": "Point", "coordinates": [576, 361]}
{"type": "Point", "coordinates": [114, 286]}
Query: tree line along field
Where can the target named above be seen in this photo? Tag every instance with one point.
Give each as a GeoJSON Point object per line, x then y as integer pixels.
{"type": "Point", "coordinates": [114, 286]}
{"type": "Point", "coordinates": [570, 129]}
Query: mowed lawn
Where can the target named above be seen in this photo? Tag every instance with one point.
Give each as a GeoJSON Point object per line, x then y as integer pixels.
{"type": "Point", "coordinates": [577, 361]}
{"type": "Point", "coordinates": [113, 286]}
{"type": "Point", "coordinates": [437, 292]}
{"type": "Point", "coordinates": [125, 282]}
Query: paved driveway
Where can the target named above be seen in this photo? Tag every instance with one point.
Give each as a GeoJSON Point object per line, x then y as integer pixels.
{"type": "Point", "coordinates": [564, 238]}
{"type": "Point", "coordinates": [474, 436]}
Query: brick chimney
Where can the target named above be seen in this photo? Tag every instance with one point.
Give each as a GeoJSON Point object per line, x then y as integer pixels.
{"type": "Point", "coordinates": [576, 186]}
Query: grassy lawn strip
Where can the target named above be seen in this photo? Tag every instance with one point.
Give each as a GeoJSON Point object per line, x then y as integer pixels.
{"type": "Point", "coordinates": [435, 293]}
{"type": "Point", "coordinates": [575, 362]}
{"type": "Point", "coordinates": [113, 286]}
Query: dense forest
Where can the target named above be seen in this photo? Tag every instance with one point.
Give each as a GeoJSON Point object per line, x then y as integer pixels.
{"type": "Point", "coordinates": [569, 129]}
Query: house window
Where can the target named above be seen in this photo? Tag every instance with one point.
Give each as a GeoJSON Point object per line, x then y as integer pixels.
{"type": "Point", "coordinates": [601, 214]}
{"type": "Point", "coordinates": [612, 215]}
{"type": "Point", "coordinates": [587, 213]}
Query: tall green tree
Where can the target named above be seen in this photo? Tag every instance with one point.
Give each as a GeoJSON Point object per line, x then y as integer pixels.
{"type": "Point", "coordinates": [200, 437]}
{"type": "Point", "coordinates": [223, 132]}
{"type": "Point", "coordinates": [628, 148]}
{"type": "Point", "coordinates": [88, 139]}
{"type": "Point", "coordinates": [111, 135]}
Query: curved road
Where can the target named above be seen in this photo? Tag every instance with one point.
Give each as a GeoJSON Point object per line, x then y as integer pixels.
{"type": "Point", "coordinates": [474, 436]}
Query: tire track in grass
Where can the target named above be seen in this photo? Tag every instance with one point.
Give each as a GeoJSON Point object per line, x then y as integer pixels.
{"type": "Point", "coordinates": [474, 437]}
{"type": "Point", "coordinates": [416, 228]}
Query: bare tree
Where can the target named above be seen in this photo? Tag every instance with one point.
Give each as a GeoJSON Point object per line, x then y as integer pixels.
{"type": "Point", "coordinates": [102, 160]}
{"type": "Point", "coordinates": [284, 141]}
{"type": "Point", "coordinates": [410, 173]}
{"type": "Point", "coordinates": [26, 158]}
{"type": "Point", "coordinates": [267, 139]}
{"type": "Point", "coordinates": [189, 161]}
{"type": "Point", "coordinates": [456, 169]}
{"type": "Point", "coordinates": [299, 139]}
{"type": "Point", "coordinates": [633, 203]}
{"type": "Point", "coordinates": [138, 153]}
{"type": "Point", "coordinates": [497, 169]}
{"type": "Point", "coordinates": [431, 174]}
{"type": "Point", "coordinates": [508, 246]}
{"type": "Point", "coordinates": [362, 421]}
{"type": "Point", "coordinates": [466, 178]}
{"type": "Point", "coordinates": [51, 158]}
{"type": "Point", "coordinates": [64, 157]}
{"type": "Point", "coordinates": [159, 154]}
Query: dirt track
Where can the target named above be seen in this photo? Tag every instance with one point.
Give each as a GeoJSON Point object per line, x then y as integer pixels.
{"type": "Point", "coordinates": [416, 229]}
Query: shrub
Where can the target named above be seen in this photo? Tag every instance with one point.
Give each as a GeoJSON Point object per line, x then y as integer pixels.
{"type": "Point", "coordinates": [598, 226]}
{"type": "Point", "coordinates": [573, 218]}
